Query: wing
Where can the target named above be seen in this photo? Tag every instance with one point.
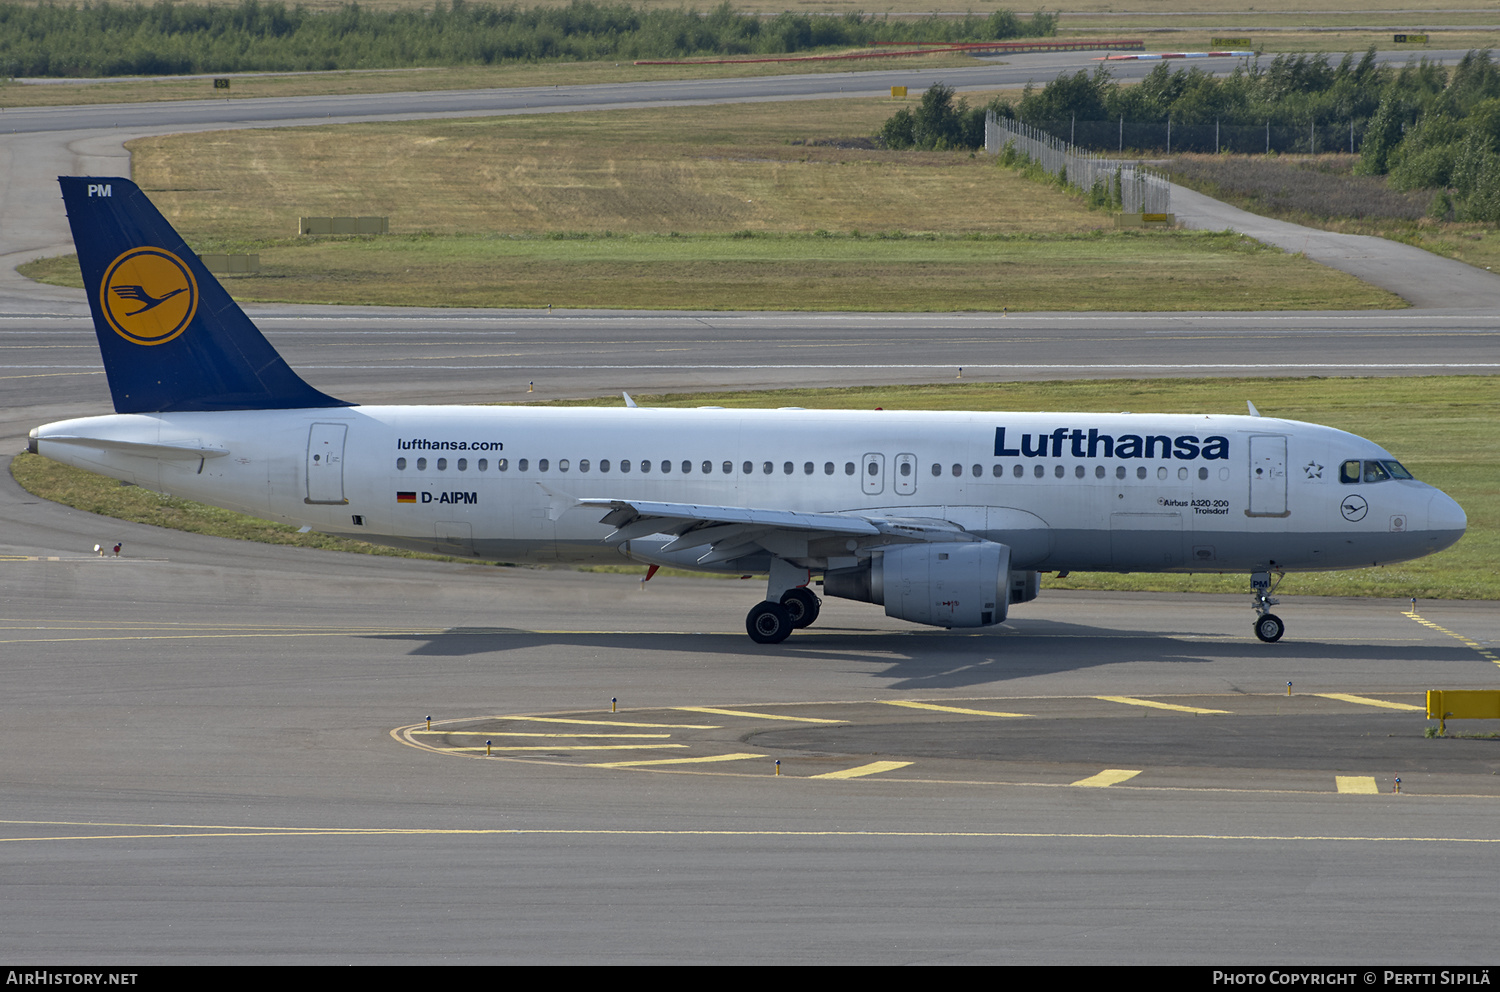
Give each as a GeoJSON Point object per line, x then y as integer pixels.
{"type": "Point", "coordinates": [729, 532]}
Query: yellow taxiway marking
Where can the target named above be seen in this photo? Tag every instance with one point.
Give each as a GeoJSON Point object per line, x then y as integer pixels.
{"type": "Point", "coordinates": [947, 709]}
{"type": "Point", "coordinates": [1488, 654]}
{"type": "Point", "coordinates": [611, 723]}
{"type": "Point", "coordinates": [676, 761]}
{"type": "Point", "coordinates": [1362, 785]}
{"type": "Point", "coordinates": [1367, 701]}
{"type": "Point", "coordinates": [517, 733]}
{"type": "Point", "coordinates": [757, 716]}
{"type": "Point", "coordinates": [1108, 777]}
{"type": "Point", "coordinates": [554, 748]}
{"type": "Point", "coordinates": [873, 768]}
{"type": "Point", "coordinates": [1153, 704]}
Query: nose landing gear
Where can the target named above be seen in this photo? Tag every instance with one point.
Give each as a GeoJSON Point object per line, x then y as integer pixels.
{"type": "Point", "coordinates": [1268, 626]}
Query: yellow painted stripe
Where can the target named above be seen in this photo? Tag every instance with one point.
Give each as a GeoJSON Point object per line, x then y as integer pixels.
{"type": "Point", "coordinates": [873, 768]}
{"type": "Point", "coordinates": [1153, 704]}
{"type": "Point", "coordinates": [677, 761]}
{"type": "Point", "coordinates": [1367, 701]}
{"type": "Point", "coordinates": [554, 748]}
{"type": "Point", "coordinates": [516, 733]}
{"type": "Point", "coordinates": [756, 716]}
{"type": "Point", "coordinates": [611, 723]}
{"type": "Point", "coordinates": [1362, 785]}
{"type": "Point", "coordinates": [948, 709]}
{"type": "Point", "coordinates": [1484, 652]}
{"type": "Point", "coordinates": [1108, 777]}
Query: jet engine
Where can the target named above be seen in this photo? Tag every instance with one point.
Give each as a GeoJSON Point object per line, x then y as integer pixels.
{"type": "Point", "coordinates": [943, 585]}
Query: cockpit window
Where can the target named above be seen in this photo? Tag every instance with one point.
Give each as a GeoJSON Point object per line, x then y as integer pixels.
{"type": "Point", "coordinates": [1372, 470]}
{"type": "Point", "coordinates": [1397, 470]}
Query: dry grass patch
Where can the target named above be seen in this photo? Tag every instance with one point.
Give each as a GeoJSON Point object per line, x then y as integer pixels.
{"type": "Point", "coordinates": [690, 170]}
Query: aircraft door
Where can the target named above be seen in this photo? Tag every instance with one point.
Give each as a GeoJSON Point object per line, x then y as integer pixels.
{"type": "Point", "coordinates": [1267, 476]}
{"type": "Point", "coordinates": [906, 474]}
{"type": "Point", "coordinates": [325, 463]}
{"type": "Point", "coordinates": [872, 474]}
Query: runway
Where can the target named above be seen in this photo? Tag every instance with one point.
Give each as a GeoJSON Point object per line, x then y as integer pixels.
{"type": "Point", "coordinates": [217, 752]}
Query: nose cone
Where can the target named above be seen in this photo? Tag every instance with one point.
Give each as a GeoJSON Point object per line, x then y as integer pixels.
{"type": "Point", "coordinates": [1446, 521]}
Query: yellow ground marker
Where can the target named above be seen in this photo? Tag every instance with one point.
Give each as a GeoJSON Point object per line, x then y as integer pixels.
{"type": "Point", "coordinates": [1362, 785]}
{"type": "Point", "coordinates": [517, 733]}
{"type": "Point", "coordinates": [1487, 654]}
{"type": "Point", "coordinates": [948, 709]}
{"type": "Point", "coordinates": [554, 748]}
{"type": "Point", "coordinates": [757, 716]}
{"type": "Point", "coordinates": [873, 768]}
{"type": "Point", "coordinates": [1153, 704]}
{"type": "Point", "coordinates": [611, 723]}
{"type": "Point", "coordinates": [1108, 777]}
{"type": "Point", "coordinates": [1367, 701]}
{"type": "Point", "coordinates": [676, 761]}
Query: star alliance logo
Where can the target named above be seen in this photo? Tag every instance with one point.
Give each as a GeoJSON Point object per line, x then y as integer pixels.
{"type": "Point", "coordinates": [1313, 470]}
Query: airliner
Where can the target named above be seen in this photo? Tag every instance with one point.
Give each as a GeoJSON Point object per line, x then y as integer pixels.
{"type": "Point", "coordinates": [945, 519]}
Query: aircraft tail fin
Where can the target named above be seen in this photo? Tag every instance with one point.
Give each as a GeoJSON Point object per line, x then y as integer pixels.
{"type": "Point", "coordinates": [171, 337]}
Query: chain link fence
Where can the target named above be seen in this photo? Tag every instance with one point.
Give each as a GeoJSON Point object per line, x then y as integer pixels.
{"type": "Point", "coordinates": [1142, 190]}
{"type": "Point", "coordinates": [1244, 139]}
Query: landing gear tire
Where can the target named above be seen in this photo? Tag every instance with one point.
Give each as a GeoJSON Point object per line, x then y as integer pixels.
{"type": "Point", "coordinates": [768, 623]}
{"type": "Point", "coordinates": [1269, 628]}
{"type": "Point", "coordinates": [802, 606]}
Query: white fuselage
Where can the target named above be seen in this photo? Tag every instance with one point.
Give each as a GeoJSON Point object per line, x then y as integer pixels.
{"type": "Point", "coordinates": [1068, 491]}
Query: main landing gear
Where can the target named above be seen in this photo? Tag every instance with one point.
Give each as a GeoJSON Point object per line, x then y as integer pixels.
{"type": "Point", "coordinates": [1268, 626]}
{"type": "Point", "coordinates": [789, 605]}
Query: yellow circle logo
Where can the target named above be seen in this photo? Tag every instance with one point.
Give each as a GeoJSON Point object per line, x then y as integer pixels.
{"type": "Point", "coordinates": [149, 296]}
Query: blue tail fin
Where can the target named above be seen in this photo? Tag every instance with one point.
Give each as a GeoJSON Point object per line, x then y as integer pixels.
{"type": "Point", "coordinates": [171, 337]}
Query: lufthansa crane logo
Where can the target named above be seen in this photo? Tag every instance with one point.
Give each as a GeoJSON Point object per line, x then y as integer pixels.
{"type": "Point", "coordinates": [1354, 508]}
{"type": "Point", "coordinates": [148, 295]}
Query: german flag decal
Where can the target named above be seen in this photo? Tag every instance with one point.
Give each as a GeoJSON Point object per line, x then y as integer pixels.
{"type": "Point", "coordinates": [406, 497]}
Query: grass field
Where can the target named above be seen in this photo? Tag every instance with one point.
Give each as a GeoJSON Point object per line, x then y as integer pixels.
{"type": "Point", "coordinates": [1437, 426]}
{"type": "Point", "coordinates": [746, 207]}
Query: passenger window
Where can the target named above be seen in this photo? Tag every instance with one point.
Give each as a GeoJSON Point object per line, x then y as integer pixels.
{"type": "Point", "coordinates": [541, 464]}
{"type": "Point", "coordinates": [1098, 471]}
{"type": "Point", "coordinates": [583, 464]}
{"type": "Point", "coordinates": [503, 464]}
{"type": "Point", "coordinates": [421, 464]}
{"type": "Point", "coordinates": [604, 464]}
{"type": "Point", "coordinates": [1119, 471]}
{"type": "Point", "coordinates": [1057, 470]}
{"type": "Point", "coordinates": [998, 471]}
{"type": "Point", "coordinates": [1349, 472]}
{"type": "Point", "coordinates": [521, 465]}
{"type": "Point", "coordinates": [400, 464]}
{"type": "Point", "coordinates": [442, 464]}
{"type": "Point", "coordinates": [747, 468]}
{"type": "Point", "coordinates": [958, 470]}
{"type": "Point", "coordinates": [728, 467]}
{"type": "Point", "coordinates": [1039, 471]}
{"type": "Point", "coordinates": [645, 465]}
{"type": "Point", "coordinates": [874, 468]}
{"type": "Point", "coordinates": [562, 464]}
{"type": "Point", "coordinates": [666, 466]}
{"type": "Point", "coordinates": [1077, 471]}
{"type": "Point", "coordinates": [484, 463]}
{"type": "Point", "coordinates": [848, 468]}
{"type": "Point", "coordinates": [937, 470]}
{"type": "Point", "coordinates": [1203, 474]}
{"type": "Point", "coordinates": [905, 469]}
{"type": "Point", "coordinates": [687, 467]}
{"type": "Point", "coordinates": [828, 468]}
{"type": "Point", "coordinates": [807, 468]}
{"type": "Point", "coordinates": [708, 467]}
{"type": "Point", "coordinates": [1140, 472]}
{"type": "Point", "coordinates": [1161, 472]}
{"type": "Point", "coordinates": [463, 464]}
{"type": "Point", "coordinates": [624, 464]}
{"type": "Point", "coordinates": [977, 471]}
{"type": "Point", "coordinates": [766, 467]}
{"type": "Point", "coordinates": [1019, 470]}
{"type": "Point", "coordinates": [786, 468]}
{"type": "Point", "coordinates": [1182, 473]}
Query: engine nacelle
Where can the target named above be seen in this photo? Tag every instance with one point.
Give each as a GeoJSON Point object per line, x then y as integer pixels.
{"type": "Point", "coordinates": [943, 585]}
{"type": "Point", "coordinates": [1024, 586]}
